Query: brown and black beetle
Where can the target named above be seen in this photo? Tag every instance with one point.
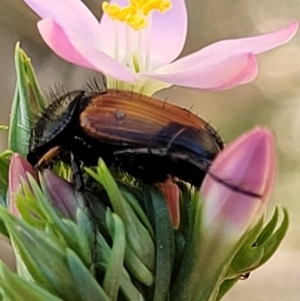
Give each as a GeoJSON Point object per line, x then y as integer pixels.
{"type": "Point", "coordinates": [144, 136]}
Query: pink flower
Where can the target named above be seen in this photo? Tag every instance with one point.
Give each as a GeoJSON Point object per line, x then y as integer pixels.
{"type": "Point", "coordinates": [62, 194]}
{"type": "Point", "coordinates": [238, 186]}
{"type": "Point", "coordinates": [138, 43]}
{"type": "Point", "coordinates": [18, 171]}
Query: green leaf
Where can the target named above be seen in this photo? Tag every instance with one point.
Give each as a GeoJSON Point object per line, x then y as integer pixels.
{"type": "Point", "coordinates": [254, 254]}
{"type": "Point", "coordinates": [62, 170]}
{"type": "Point", "coordinates": [248, 256]}
{"type": "Point", "coordinates": [86, 285]}
{"type": "Point", "coordinates": [43, 255]}
{"type": "Point", "coordinates": [49, 262]}
{"type": "Point", "coordinates": [186, 222]}
{"type": "Point", "coordinates": [225, 287]}
{"type": "Point", "coordinates": [4, 167]}
{"type": "Point", "coordinates": [137, 267]}
{"type": "Point", "coordinates": [29, 208]}
{"type": "Point", "coordinates": [131, 200]}
{"type": "Point", "coordinates": [272, 243]}
{"type": "Point", "coordinates": [84, 224]}
{"type": "Point", "coordinates": [104, 254]}
{"type": "Point", "coordinates": [77, 241]}
{"type": "Point", "coordinates": [203, 267]}
{"type": "Point", "coordinates": [3, 229]}
{"type": "Point", "coordinates": [19, 133]}
{"type": "Point", "coordinates": [113, 274]}
{"type": "Point", "coordinates": [14, 288]}
{"type": "Point", "coordinates": [247, 260]}
{"type": "Point", "coordinates": [129, 290]}
{"type": "Point", "coordinates": [66, 229]}
{"type": "Point", "coordinates": [165, 245]}
{"type": "Point", "coordinates": [34, 206]}
{"type": "Point", "coordinates": [139, 240]}
{"type": "Point", "coordinates": [28, 101]}
{"type": "Point", "coordinates": [268, 229]}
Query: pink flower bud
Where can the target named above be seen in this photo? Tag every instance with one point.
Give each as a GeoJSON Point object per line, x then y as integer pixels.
{"type": "Point", "coordinates": [237, 188]}
{"type": "Point", "coordinates": [62, 193]}
{"type": "Point", "coordinates": [18, 171]}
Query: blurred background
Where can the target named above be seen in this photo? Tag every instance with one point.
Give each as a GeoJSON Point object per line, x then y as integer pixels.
{"type": "Point", "coordinates": [272, 100]}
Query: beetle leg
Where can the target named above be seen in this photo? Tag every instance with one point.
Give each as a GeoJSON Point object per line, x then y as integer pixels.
{"type": "Point", "coordinates": [77, 173]}
{"type": "Point", "coordinates": [80, 187]}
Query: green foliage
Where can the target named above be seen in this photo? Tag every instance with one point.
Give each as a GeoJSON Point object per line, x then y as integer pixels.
{"type": "Point", "coordinates": [28, 102]}
{"type": "Point", "coordinates": [120, 245]}
{"type": "Point", "coordinates": [255, 253]}
{"type": "Point", "coordinates": [79, 259]}
{"type": "Point", "coordinates": [4, 166]}
{"type": "Point", "coordinates": [140, 246]}
{"type": "Point", "coordinates": [24, 290]}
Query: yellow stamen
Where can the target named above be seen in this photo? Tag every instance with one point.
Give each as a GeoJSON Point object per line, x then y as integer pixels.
{"type": "Point", "coordinates": [136, 22]}
{"type": "Point", "coordinates": [112, 10]}
{"type": "Point", "coordinates": [160, 5]}
{"type": "Point", "coordinates": [134, 15]}
{"type": "Point", "coordinates": [126, 13]}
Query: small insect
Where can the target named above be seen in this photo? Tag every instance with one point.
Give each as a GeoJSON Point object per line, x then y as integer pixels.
{"type": "Point", "coordinates": [144, 136]}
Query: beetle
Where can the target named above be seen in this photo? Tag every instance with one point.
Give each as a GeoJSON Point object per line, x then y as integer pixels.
{"type": "Point", "coordinates": [144, 136]}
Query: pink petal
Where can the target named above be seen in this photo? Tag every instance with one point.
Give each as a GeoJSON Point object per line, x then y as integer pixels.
{"type": "Point", "coordinates": [64, 11]}
{"type": "Point", "coordinates": [255, 45]}
{"type": "Point", "coordinates": [224, 49]}
{"type": "Point", "coordinates": [82, 54]}
{"type": "Point", "coordinates": [168, 33]}
{"type": "Point", "coordinates": [73, 16]}
{"type": "Point", "coordinates": [222, 75]}
{"type": "Point", "coordinates": [206, 69]}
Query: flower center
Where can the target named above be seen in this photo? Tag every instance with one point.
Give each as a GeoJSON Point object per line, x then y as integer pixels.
{"type": "Point", "coordinates": [136, 13]}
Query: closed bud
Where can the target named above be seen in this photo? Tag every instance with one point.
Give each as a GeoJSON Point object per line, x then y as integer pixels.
{"type": "Point", "coordinates": [238, 186]}
{"type": "Point", "coordinates": [18, 172]}
{"type": "Point", "coordinates": [62, 194]}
